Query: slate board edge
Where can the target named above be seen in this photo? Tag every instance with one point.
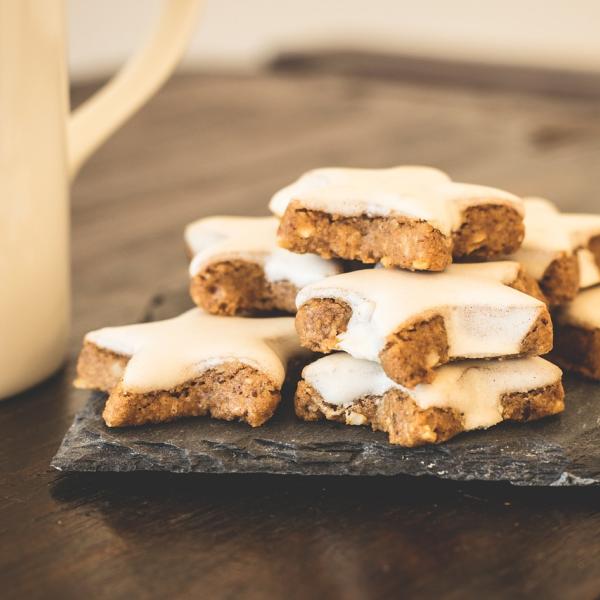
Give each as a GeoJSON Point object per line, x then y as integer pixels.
{"type": "Point", "coordinates": [65, 465]}
{"type": "Point", "coordinates": [66, 461]}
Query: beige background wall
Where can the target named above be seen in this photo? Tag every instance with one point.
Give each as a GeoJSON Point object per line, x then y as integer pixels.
{"type": "Point", "coordinates": [242, 33]}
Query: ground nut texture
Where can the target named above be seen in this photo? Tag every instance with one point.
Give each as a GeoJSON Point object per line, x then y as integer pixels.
{"type": "Point", "coordinates": [562, 278]}
{"type": "Point", "coordinates": [408, 425]}
{"type": "Point", "coordinates": [487, 232]}
{"type": "Point", "coordinates": [560, 282]}
{"type": "Point", "coordinates": [238, 287]}
{"type": "Point", "coordinates": [528, 285]}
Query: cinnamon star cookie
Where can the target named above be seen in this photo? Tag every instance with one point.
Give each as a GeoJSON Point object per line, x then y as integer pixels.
{"type": "Point", "coordinates": [577, 334]}
{"type": "Point", "coordinates": [238, 268]}
{"type": "Point", "coordinates": [463, 396]}
{"type": "Point", "coordinates": [193, 365]}
{"type": "Point", "coordinates": [411, 217]}
{"type": "Point", "coordinates": [560, 250]}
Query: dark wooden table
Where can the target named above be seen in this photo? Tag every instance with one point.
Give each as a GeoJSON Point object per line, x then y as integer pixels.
{"type": "Point", "coordinates": [222, 144]}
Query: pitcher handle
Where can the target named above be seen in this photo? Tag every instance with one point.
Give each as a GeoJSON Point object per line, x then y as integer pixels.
{"type": "Point", "coordinates": [98, 117]}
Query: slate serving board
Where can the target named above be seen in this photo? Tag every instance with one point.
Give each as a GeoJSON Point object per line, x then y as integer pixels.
{"type": "Point", "coordinates": [559, 451]}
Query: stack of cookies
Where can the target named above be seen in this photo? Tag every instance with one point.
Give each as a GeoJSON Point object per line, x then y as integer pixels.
{"type": "Point", "coordinates": [430, 299]}
{"type": "Point", "coordinates": [430, 348]}
{"type": "Point", "coordinates": [562, 251]}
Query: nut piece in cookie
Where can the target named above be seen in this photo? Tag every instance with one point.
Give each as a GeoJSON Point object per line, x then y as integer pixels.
{"type": "Point", "coordinates": [560, 250]}
{"type": "Point", "coordinates": [463, 396]}
{"type": "Point", "coordinates": [238, 268]}
{"type": "Point", "coordinates": [412, 323]}
{"type": "Point", "coordinates": [577, 334]}
{"type": "Point", "coordinates": [411, 217]}
{"type": "Point", "coordinates": [193, 365]}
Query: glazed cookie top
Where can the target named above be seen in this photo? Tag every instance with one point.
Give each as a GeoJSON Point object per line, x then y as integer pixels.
{"type": "Point", "coordinates": [550, 234]}
{"type": "Point", "coordinates": [502, 271]}
{"type": "Point", "coordinates": [583, 311]}
{"type": "Point", "coordinates": [252, 239]}
{"type": "Point", "coordinates": [165, 354]}
{"type": "Point", "coordinates": [483, 317]}
{"type": "Point", "coordinates": [473, 388]}
{"type": "Point", "coordinates": [422, 193]}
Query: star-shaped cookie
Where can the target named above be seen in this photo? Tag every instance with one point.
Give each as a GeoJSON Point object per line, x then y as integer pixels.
{"type": "Point", "coordinates": [561, 250]}
{"type": "Point", "coordinates": [192, 365]}
{"type": "Point", "coordinates": [238, 268]}
{"type": "Point", "coordinates": [412, 217]}
{"type": "Point", "coordinates": [464, 396]}
{"type": "Point", "coordinates": [577, 334]}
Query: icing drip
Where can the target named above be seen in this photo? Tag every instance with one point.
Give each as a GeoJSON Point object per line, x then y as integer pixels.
{"type": "Point", "coordinates": [253, 239]}
{"type": "Point", "coordinates": [165, 354]}
{"type": "Point", "coordinates": [422, 193]}
{"type": "Point", "coordinates": [550, 234]}
{"type": "Point", "coordinates": [584, 311]}
{"type": "Point", "coordinates": [483, 317]}
{"type": "Point", "coordinates": [473, 388]}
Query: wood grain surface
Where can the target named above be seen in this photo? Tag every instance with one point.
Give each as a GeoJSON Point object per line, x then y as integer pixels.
{"type": "Point", "coordinates": [222, 144]}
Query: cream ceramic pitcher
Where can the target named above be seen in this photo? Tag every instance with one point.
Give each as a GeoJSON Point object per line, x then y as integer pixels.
{"type": "Point", "coordinates": [41, 148]}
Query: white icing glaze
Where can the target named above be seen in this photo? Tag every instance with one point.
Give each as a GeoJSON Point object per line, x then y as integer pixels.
{"type": "Point", "coordinates": [502, 271]}
{"type": "Point", "coordinates": [583, 311]}
{"type": "Point", "coordinates": [473, 388]}
{"type": "Point", "coordinates": [341, 379]}
{"type": "Point", "coordinates": [550, 234]}
{"type": "Point", "coordinates": [253, 239]}
{"type": "Point", "coordinates": [299, 269]}
{"type": "Point", "coordinates": [165, 354]}
{"type": "Point", "coordinates": [418, 192]}
{"type": "Point", "coordinates": [483, 317]}
{"type": "Point", "coordinates": [589, 273]}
